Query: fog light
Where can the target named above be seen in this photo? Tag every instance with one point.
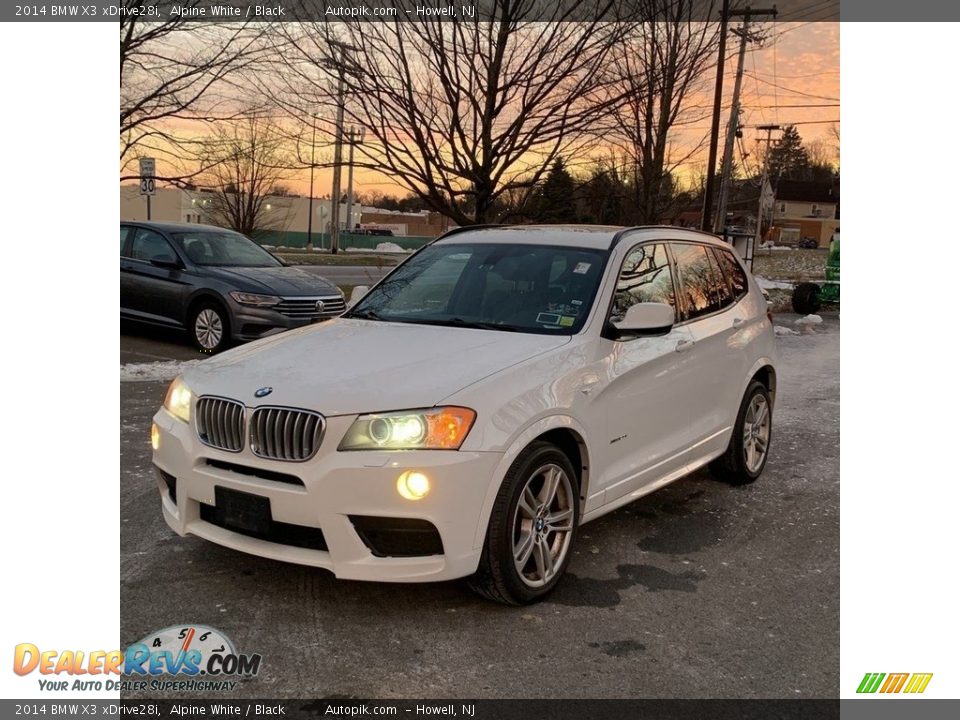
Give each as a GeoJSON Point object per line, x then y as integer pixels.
{"type": "Point", "coordinates": [155, 436]}
{"type": "Point", "coordinates": [413, 485]}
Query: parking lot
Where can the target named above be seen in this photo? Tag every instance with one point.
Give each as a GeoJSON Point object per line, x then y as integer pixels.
{"type": "Point", "coordinates": [698, 590]}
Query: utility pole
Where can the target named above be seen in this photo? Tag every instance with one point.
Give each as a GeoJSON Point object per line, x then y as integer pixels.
{"type": "Point", "coordinates": [337, 162]}
{"type": "Point", "coordinates": [733, 127]}
{"type": "Point", "coordinates": [313, 145]}
{"type": "Point", "coordinates": [706, 221]}
{"type": "Point", "coordinates": [355, 136]}
{"type": "Point", "coordinates": [764, 178]}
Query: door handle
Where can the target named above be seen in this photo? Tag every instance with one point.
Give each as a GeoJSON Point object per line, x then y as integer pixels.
{"type": "Point", "coordinates": [684, 345]}
{"type": "Point", "coordinates": [737, 322]}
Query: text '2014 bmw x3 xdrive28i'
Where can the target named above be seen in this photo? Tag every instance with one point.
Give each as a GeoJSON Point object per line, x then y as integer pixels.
{"type": "Point", "coordinates": [494, 392]}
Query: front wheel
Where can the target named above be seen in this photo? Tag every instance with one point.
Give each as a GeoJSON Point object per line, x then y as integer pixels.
{"type": "Point", "coordinates": [209, 328]}
{"type": "Point", "coordinates": [746, 455]}
{"type": "Point", "coordinates": [531, 529]}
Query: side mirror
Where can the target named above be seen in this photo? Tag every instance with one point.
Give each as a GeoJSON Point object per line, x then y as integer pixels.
{"type": "Point", "coordinates": [166, 262]}
{"type": "Point", "coordinates": [646, 319]}
{"type": "Point", "coordinates": [357, 294]}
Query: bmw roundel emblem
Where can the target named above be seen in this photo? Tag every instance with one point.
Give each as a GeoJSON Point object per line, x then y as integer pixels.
{"type": "Point", "coordinates": [263, 392]}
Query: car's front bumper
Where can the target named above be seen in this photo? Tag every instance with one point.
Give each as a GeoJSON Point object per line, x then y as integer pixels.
{"type": "Point", "coordinates": [336, 486]}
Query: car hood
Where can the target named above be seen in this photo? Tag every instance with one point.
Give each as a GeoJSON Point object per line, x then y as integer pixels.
{"type": "Point", "coordinates": [346, 366]}
{"type": "Point", "coordinates": [283, 281]}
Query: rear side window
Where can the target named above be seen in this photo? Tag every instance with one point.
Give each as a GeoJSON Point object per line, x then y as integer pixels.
{"type": "Point", "coordinates": [644, 277]}
{"type": "Point", "coordinates": [699, 285]}
{"type": "Point", "coordinates": [723, 288]}
{"type": "Point", "coordinates": [149, 245]}
{"type": "Point", "coordinates": [734, 274]}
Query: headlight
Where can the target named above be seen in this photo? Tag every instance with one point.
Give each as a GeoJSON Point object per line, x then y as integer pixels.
{"type": "Point", "coordinates": [440, 428]}
{"type": "Point", "coordinates": [255, 300]}
{"type": "Point", "coordinates": [177, 402]}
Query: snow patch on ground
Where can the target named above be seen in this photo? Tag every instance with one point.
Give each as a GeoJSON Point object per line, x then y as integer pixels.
{"type": "Point", "coordinates": [781, 331]}
{"type": "Point", "coordinates": [384, 247]}
{"type": "Point", "coordinates": [809, 320]}
{"type": "Point", "coordinates": [155, 371]}
{"type": "Point", "coordinates": [766, 284]}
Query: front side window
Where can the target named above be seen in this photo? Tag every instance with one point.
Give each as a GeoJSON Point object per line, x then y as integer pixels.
{"type": "Point", "coordinates": [223, 248]}
{"type": "Point", "coordinates": [124, 234]}
{"type": "Point", "coordinates": [149, 245]}
{"type": "Point", "coordinates": [699, 286]}
{"type": "Point", "coordinates": [520, 288]}
{"type": "Point", "coordinates": [644, 277]}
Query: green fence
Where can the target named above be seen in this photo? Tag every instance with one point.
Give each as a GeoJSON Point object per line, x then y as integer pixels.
{"type": "Point", "coordinates": [282, 238]}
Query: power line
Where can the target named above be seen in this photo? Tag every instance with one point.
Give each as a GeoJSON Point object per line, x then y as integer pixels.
{"type": "Point", "coordinates": [795, 92]}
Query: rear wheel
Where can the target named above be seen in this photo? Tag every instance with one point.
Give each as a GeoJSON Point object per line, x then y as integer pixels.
{"type": "Point", "coordinates": [806, 298]}
{"type": "Point", "coordinates": [209, 327]}
{"type": "Point", "coordinates": [531, 529]}
{"type": "Point", "coordinates": [746, 455]}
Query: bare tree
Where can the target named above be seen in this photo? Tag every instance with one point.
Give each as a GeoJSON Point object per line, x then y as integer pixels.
{"type": "Point", "coordinates": [171, 71]}
{"type": "Point", "coordinates": [248, 163]}
{"type": "Point", "coordinates": [661, 67]}
{"type": "Point", "coordinates": [462, 113]}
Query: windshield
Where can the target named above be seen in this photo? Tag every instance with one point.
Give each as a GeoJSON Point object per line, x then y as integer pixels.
{"type": "Point", "coordinates": [223, 247]}
{"type": "Point", "coordinates": [520, 288]}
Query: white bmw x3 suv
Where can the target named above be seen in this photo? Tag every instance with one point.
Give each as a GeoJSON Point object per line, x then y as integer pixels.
{"type": "Point", "coordinates": [494, 392]}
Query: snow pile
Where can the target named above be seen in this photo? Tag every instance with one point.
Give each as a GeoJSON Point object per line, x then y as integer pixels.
{"type": "Point", "coordinates": [766, 284]}
{"type": "Point", "coordinates": [389, 247]}
{"type": "Point", "coordinates": [781, 331]}
{"type": "Point", "coordinates": [809, 320]}
{"type": "Point", "coordinates": [155, 371]}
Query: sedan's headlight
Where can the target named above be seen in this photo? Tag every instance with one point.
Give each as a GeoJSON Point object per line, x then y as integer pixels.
{"type": "Point", "coordinates": [177, 402]}
{"type": "Point", "coordinates": [439, 428]}
{"type": "Point", "coordinates": [255, 300]}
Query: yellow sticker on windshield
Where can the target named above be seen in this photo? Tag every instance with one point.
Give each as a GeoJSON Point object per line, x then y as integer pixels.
{"type": "Point", "coordinates": [566, 321]}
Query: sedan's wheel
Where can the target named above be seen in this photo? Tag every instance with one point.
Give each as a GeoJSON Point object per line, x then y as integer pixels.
{"type": "Point", "coordinates": [209, 328]}
{"type": "Point", "coordinates": [749, 446]}
{"type": "Point", "coordinates": [531, 528]}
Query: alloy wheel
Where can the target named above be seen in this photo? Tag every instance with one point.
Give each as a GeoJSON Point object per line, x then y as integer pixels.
{"type": "Point", "coordinates": [543, 525]}
{"type": "Point", "coordinates": [208, 328]}
{"type": "Point", "coordinates": [756, 433]}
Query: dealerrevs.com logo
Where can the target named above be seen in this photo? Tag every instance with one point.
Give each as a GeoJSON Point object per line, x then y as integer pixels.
{"type": "Point", "coordinates": [177, 658]}
{"type": "Point", "coordinates": [909, 683]}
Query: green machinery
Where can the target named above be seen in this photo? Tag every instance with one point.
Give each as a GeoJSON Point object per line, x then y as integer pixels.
{"type": "Point", "coordinates": [808, 296]}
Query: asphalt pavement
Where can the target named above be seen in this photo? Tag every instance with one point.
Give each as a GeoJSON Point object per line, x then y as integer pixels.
{"type": "Point", "coordinates": [698, 590]}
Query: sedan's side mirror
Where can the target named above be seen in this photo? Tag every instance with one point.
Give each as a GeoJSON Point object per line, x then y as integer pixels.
{"type": "Point", "coordinates": [357, 294]}
{"type": "Point", "coordinates": [649, 318]}
{"type": "Point", "coordinates": [166, 262]}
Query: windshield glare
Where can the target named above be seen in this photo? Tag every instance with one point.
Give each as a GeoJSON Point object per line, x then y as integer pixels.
{"type": "Point", "coordinates": [525, 288]}
{"type": "Point", "coordinates": [211, 247]}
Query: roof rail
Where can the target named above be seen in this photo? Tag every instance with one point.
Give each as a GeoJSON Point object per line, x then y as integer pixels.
{"type": "Point", "coordinates": [464, 228]}
{"type": "Point", "coordinates": [621, 233]}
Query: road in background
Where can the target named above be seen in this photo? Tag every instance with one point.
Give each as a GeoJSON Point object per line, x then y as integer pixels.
{"type": "Point", "coordinates": [698, 590]}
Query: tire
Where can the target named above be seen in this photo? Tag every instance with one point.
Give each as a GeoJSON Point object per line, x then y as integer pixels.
{"type": "Point", "coordinates": [737, 466]}
{"type": "Point", "coordinates": [209, 327]}
{"type": "Point", "coordinates": [516, 526]}
{"type": "Point", "coordinates": [806, 298]}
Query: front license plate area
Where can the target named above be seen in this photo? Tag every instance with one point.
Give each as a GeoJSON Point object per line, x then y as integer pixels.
{"type": "Point", "coordinates": [243, 511]}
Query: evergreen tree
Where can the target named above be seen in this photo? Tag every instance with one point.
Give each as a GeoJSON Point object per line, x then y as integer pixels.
{"type": "Point", "coordinates": [789, 159]}
{"type": "Point", "coordinates": [553, 200]}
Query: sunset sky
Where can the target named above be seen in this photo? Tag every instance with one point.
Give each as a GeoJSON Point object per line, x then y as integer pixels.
{"type": "Point", "coordinates": [793, 77]}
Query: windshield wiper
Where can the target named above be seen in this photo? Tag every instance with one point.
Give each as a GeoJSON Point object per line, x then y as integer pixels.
{"type": "Point", "coordinates": [470, 324]}
{"type": "Point", "coordinates": [363, 315]}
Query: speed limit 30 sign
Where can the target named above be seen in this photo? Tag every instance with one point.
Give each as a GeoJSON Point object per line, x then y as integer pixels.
{"type": "Point", "coordinates": [148, 172]}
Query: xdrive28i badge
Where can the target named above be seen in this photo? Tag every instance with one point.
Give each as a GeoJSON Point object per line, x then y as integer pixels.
{"type": "Point", "coordinates": [263, 392]}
